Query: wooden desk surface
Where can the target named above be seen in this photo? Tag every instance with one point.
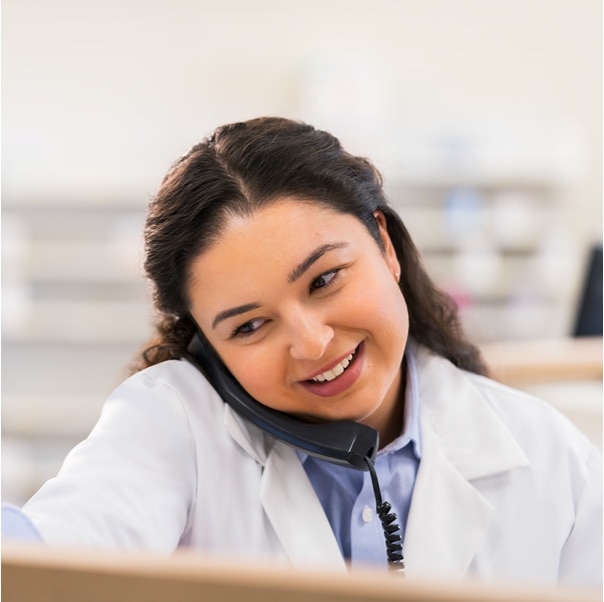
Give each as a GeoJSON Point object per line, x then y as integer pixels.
{"type": "Point", "coordinates": [40, 574]}
{"type": "Point", "coordinates": [520, 362]}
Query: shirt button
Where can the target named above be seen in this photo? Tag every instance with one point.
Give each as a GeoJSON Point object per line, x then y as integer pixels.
{"type": "Point", "coordinates": [367, 514]}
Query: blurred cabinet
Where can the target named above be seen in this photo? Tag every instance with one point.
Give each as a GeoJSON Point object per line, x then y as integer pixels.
{"type": "Point", "coordinates": [502, 247]}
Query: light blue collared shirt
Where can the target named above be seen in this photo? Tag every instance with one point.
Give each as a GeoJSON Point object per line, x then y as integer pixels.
{"type": "Point", "coordinates": [347, 494]}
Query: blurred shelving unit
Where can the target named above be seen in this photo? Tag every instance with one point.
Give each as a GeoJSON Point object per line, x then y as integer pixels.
{"type": "Point", "coordinates": [75, 310]}
{"type": "Point", "coordinates": [498, 245]}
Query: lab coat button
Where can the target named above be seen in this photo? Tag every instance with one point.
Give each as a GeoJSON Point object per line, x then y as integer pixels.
{"type": "Point", "coordinates": [367, 514]}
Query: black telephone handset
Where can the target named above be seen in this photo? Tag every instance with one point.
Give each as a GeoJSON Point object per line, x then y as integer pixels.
{"type": "Point", "coordinates": [346, 443]}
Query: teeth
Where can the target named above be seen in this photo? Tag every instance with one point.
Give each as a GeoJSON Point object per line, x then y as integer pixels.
{"type": "Point", "coordinates": [335, 371]}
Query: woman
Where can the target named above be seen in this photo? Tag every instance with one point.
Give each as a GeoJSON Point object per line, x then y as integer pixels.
{"type": "Point", "coordinates": [275, 247]}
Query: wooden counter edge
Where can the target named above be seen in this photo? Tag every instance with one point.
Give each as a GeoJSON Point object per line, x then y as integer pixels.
{"type": "Point", "coordinates": [35, 573]}
{"type": "Point", "coordinates": [545, 360]}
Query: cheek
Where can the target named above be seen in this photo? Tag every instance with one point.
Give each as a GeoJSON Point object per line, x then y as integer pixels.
{"type": "Point", "coordinates": [382, 305]}
{"type": "Point", "coordinates": [386, 312]}
{"type": "Point", "coordinates": [397, 319]}
{"type": "Point", "coordinates": [259, 374]}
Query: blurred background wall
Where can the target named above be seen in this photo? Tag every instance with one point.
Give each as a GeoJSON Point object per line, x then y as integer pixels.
{"type": "Point", "coordinates": [485, 118]}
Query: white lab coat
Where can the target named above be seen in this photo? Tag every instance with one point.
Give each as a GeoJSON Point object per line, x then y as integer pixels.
{"type": "Point", "coordinates": [507, 488]}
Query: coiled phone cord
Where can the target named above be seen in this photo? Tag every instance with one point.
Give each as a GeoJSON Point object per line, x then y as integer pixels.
{"type": "Point", "coordinates": [394, 546]}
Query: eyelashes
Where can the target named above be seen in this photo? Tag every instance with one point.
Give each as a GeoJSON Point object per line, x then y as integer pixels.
{"type": "Point", "coordinates": [248, 328]}
{"type": "Point", "coordinates": [323, 281]}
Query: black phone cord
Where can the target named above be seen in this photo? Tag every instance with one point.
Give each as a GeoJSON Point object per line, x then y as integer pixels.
{"type": "Point", "coordinates": [394, 546]}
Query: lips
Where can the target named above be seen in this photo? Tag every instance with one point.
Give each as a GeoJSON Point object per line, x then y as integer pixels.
{"type": "Point", "coordinates": [339, 377]}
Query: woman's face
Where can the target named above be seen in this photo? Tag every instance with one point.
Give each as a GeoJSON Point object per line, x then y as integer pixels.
{"type": "Point", "coordinates": [305, 310]}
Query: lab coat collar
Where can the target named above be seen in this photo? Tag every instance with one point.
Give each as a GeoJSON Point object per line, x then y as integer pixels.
{"type": "Point", "coordinates": [473, 437]}
{"type": "Point", "coordinates": [251, 438]}
{"type": "Point", "coordinates": [463, 439]}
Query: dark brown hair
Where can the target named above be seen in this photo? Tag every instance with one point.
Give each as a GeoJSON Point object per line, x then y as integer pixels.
{"type": "Point", "coordinates": [244, 166]}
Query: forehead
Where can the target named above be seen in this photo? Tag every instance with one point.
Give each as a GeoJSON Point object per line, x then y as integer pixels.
{"type": "Point", "coordinates": [284, 230]}
{"type": "Point", "coordinates": [275, 238]}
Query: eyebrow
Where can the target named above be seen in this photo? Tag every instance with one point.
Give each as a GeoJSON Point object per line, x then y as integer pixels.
{"type": "Point", "coordinates": [294, 275]}
{"type": "Point", "coordinates": [233, 311]}
{"type": "Point", "coordinates": [312, 258]}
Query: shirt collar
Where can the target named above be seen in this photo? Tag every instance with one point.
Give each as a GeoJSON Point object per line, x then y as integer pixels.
{"type": "Point", "coordinates": [411, 431]}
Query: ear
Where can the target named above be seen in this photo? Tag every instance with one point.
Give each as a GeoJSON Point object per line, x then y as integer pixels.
{"type": "Point", "coordinates": [389, 252]}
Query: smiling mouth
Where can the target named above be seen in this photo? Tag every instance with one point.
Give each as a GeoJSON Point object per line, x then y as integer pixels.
{"type": "Point", "coordinates": [336, 371]}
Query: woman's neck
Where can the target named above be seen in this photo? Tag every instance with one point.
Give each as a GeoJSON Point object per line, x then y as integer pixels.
{"type": "Point", "coordinates": [393, 420]}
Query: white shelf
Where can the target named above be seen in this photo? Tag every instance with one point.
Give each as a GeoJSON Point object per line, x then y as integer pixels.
{"type": "Point", "coordinates": [80, 322]}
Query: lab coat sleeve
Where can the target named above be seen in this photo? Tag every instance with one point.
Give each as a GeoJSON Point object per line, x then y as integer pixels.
{"type": "Point", "coordinates": [130, 485]}
{"type": "Point", "coordinates": [581, 558]}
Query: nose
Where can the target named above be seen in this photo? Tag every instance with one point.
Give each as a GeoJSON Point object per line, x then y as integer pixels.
{"type": "Point", "coordinates": [309, 335]}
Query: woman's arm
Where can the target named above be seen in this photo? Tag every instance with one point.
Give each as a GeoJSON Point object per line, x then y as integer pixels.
{"type": "Point", "coordinates": [131, 482]}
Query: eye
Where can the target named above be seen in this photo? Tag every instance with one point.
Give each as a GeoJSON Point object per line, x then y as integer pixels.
{"type": "Point", "coordinates": [324, 280]}
{"type": "Point", "coordinates": [248, 328]}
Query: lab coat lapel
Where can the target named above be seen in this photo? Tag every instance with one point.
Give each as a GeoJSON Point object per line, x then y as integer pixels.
{"type": "Point", "coordinates": [448, 517]}
{"type": "Point", "coordinates": [462, 439]}
{"type": "Point", "coordinates": [295, 512]}
{"type": "Point", "coordinates": [288, 497]}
